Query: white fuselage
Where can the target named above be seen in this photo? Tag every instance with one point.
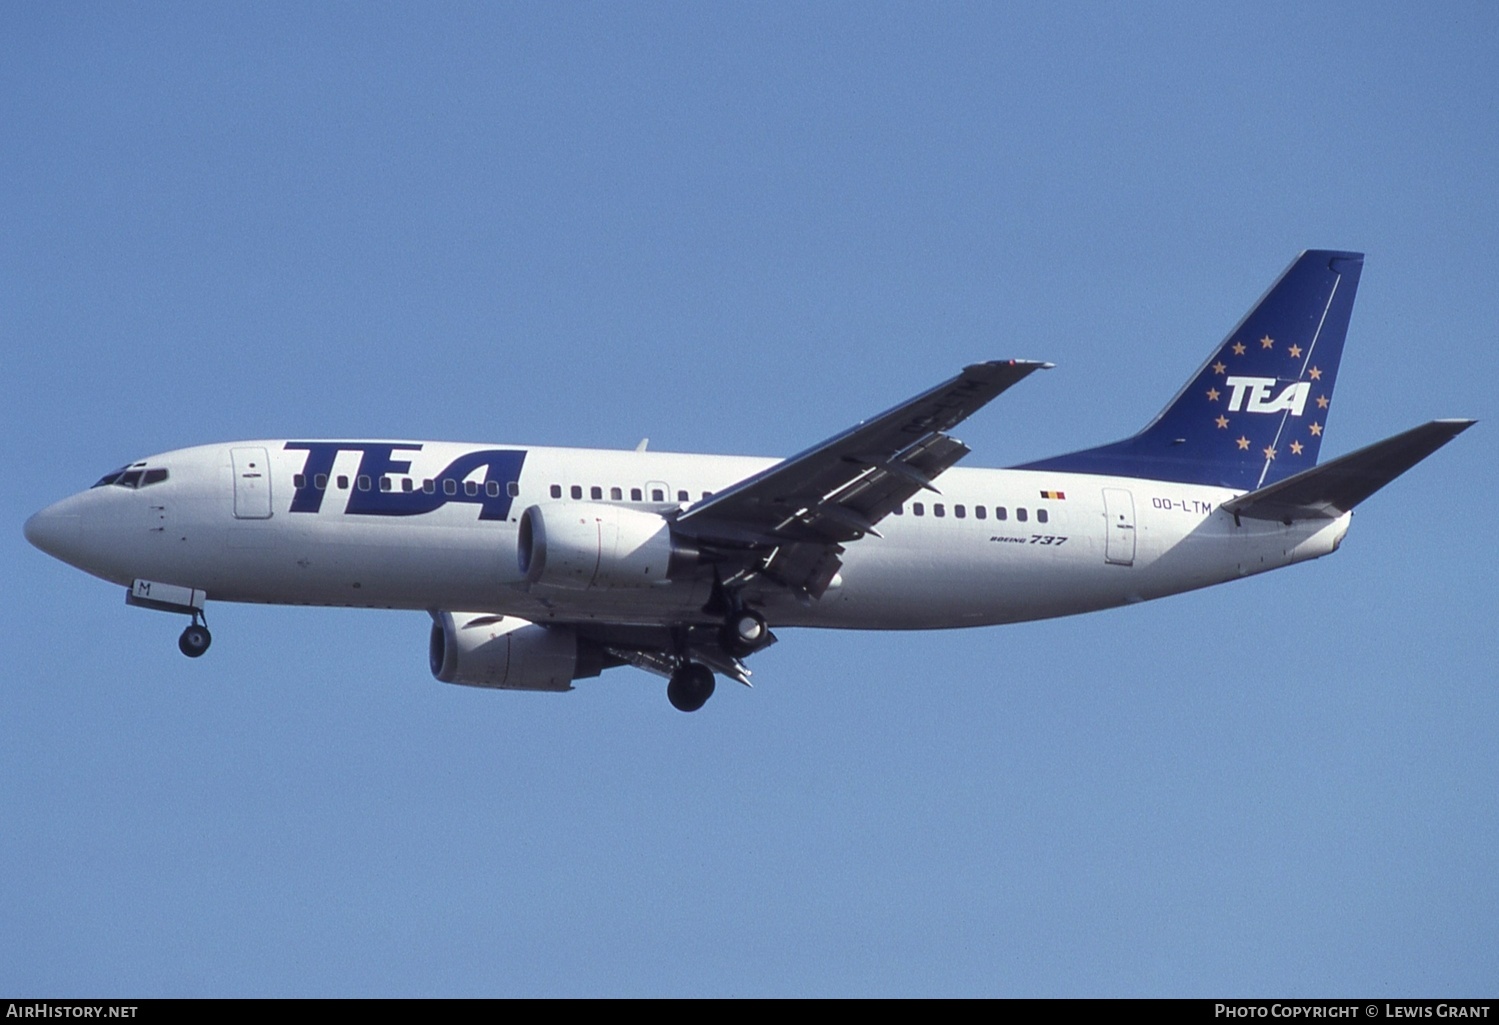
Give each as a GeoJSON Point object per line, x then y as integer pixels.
{"type": "Point", "coordinates": [368, 524]}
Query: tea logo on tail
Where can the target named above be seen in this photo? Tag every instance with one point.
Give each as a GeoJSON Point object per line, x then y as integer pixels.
{"type": "Point", "coordinates": [1252, 395]}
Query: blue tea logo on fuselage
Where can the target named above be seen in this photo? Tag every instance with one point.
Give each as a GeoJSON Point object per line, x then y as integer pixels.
{"type": "Point", "coordinates": [377, 461]}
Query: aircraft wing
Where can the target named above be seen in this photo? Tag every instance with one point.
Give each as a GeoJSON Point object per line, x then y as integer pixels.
{"type": "Point", "coordinates": [803, 509]}
{"type": "Point", "coordinates": [1330, 490]}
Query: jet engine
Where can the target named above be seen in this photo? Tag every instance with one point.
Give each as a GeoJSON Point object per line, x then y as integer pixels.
{"type": "Point", "coordinates": [479, 649]}
{"type": "Point", "coordinates": [592, 545]}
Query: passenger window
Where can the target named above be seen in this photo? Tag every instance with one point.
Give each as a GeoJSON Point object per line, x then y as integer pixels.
{"type": "Point", "coordinates": [556, 490]}
{"type": "Point", "coordinates": [682, 497]}
{"type": "Point", "coordinates": [320, 481]}
{"type": "Point", "coordinates": [657, 495]}
{"type": "Point", "coordinates": [634, 494]}
{"type": "Point", "coordinates": [513, 489]}
{"type": "Point", "coordinates": [980, 512]}
{"type": "Point", "coordinates": [470, 488]}
{"type": "Point", "coordinates": [343, 482]}
{"type": "Point", "coordinates": [1041, 516]}
{"type": "Point", "coordinates": [576, 491]}
{"type": "Point", "coordinates": [595, 493]}
{"type": "Point", "coordinates": [492, 488]}
{"type": "Point", "coordinates": [429, 486]}
{"type": "Point", "coordinates": [899, 510]}
{"type": "Point", "coordinates": [299, 481]}
{"type": "Point", "coordinates": [938, 509]}
{"type": "Point", "coordinates": [707, 495]}
{"type": "Point", "coordinates": [615, 494]}
{"type": "Point", "coordinates": [449, 486]}
{"type": "Point", "coordinates": [1021, 515]}
{"type": "Point", "coordinates": [959, 511]}
{"type": "Point", "coordinates": [406, 484]}
{"type": "Point", "coordinates": [384, 483]}
{"type": "Point", "coordinates": [917, 509]}
{"type": "Point", "coordinates": [1000, 513]}
{"type": "Point", "coordinates": [364, 482]}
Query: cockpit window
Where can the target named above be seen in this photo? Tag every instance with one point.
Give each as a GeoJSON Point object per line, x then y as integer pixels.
{"type": "Point", "coordinates": [133, 477]}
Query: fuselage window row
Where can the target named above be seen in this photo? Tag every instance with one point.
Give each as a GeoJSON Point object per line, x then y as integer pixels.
{"type": "Point", "coordinates": [364, 483]}
{"type": "Point", "coordinates": [980, 512]}
{"type": "Point", "coordinates": [141, 478]}
{"type": "Point", "coordinates": [596, 493]}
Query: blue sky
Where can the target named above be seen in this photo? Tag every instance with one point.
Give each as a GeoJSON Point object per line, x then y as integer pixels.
{"type": "Point", "coordinates": [741, 229]}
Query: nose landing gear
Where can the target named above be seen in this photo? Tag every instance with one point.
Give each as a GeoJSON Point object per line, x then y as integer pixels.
{"type": "Point", "coordinates": [149, 594]}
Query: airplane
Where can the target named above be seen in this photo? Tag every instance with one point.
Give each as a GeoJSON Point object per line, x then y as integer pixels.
{"type": "Point", "coordinates": [542, 566]}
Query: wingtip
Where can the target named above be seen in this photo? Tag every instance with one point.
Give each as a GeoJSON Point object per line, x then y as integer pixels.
{"type": "Point", "coordinates": [1033, 364]}
{"type": "Point", "coordinates": [1453, 426]}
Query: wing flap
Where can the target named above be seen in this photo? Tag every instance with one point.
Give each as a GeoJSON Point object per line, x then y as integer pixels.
{"type": "Point", "coordinates": [889, 482]}
{"type": "Point", "coordinates": [1330, 490]}
{"type": "Point", "coordinates": [805, 567]}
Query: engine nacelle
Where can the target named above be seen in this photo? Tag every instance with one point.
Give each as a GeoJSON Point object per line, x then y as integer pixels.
{"type": "Point", "coordinates": [587, 545]}
{"type": "Point", "coordinates": [479, 649]}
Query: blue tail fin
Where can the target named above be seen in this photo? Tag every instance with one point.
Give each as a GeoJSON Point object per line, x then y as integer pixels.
{"type": "Point", "coordinates": [1254, 412]}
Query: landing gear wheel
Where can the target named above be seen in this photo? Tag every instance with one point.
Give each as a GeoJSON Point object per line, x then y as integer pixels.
{"type": "Point", "coordinates": [194, 641]}
{"type": "Point", "coordinates": [743, 633]}
{"type": "Point", "coordinates": [691, 686]}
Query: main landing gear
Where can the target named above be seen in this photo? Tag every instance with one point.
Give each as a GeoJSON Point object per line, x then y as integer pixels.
{"type": "Point", "coordinates": [691, 683]}
{"type": "Point", "coordinates": [195, 639]}
{"type": "Point", "coordinates": [690, 687]}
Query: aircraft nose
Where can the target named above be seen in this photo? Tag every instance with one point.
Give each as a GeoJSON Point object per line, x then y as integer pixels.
{"type": "Point", "coordinates": [55, 532]}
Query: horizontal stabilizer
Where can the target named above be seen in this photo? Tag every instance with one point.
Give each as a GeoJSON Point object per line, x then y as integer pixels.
{"type": "Point", "coordinates": [1330, 490]}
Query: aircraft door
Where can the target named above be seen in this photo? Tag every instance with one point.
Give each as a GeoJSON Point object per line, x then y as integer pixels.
{"type": "Point", "coordinates": [1119, 542]}
{"type": "Point", "coordinates": [252, 483]}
